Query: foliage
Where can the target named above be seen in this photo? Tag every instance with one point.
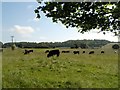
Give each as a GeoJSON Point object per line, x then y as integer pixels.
{"type": "Point", "coordinates": [115, 46]}
{"type": "Point", "coordinates": [83, 46]}
{"type": "Point", "coordinates": [84, 15]}
{"type": "Point", "coordinates": [69, 43]}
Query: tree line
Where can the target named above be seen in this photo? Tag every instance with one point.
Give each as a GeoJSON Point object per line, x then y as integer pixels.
{"type": "Point", "coordinates": [70, 43]}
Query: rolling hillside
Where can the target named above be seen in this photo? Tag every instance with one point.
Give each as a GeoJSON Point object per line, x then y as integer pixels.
{"type": "Point", "coordinates": [109, 45]}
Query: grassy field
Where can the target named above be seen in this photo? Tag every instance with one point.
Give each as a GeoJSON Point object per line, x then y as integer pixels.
{"type": "Point", "coordinates": [0, 70]}
{"type": "Point", "coordinates": [67, 71]}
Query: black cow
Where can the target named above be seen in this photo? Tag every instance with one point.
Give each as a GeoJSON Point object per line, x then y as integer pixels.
{"type": "Point", "coordinates": [83, 52]}
{"type": "Point", "coordinates": [65, 51]}
{"type": "Point", "coordinates": [102, 52]}
{"type": "Point", "coordinates": [53, 52]}
{"type": "Point", "coordinates": [91, 52]}
{"type": "Point", "coordinates": [46, 51]}
{"type": "Point", "coordinates": [28, 51]}
{"type": "Point", "coordinates": [76, 52]}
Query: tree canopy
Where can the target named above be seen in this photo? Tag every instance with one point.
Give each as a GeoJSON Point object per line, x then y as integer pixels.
{"type": "Point", "coordinates": [85, 16]}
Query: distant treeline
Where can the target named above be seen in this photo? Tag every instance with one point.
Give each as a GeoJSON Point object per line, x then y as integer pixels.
{"type": "Point", "coordinates": [70, 43]}
{"type": "Point", "coordinates": [1, 44]}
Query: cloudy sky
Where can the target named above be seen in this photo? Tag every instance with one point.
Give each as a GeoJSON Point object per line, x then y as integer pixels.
{"type": "Point", "coordinates": [18, 20]}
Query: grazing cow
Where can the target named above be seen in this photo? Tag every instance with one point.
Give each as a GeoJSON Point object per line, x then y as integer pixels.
{"type": "Point", "coordinates": [46, 51]}
{"type": "Point", "coordinates": [53, 52]}
{"type": "Point", "coordinates": [65, 51]}
{"type": "Point", "coordinates": [76, 52]}
{"type": "Point", "coordinates": [91, 52]}
{"type": "Point", "coordinates": [102, 52]}
{"type": "Point", "coordinates": [83, 52]}
{"type": "Point", "coordinates": [28, 51]}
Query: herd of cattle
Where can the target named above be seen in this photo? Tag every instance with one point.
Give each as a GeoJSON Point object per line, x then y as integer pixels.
{"type": "Point", "coordinates": [57, 52]}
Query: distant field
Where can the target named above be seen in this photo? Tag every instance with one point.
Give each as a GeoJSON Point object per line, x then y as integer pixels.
{"type": "Point", "coordinates": [67, 71]}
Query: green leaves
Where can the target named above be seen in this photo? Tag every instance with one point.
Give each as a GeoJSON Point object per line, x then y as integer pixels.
{"type": "Point", "coordinates": [36, 11]}
{"type": "Point", "coordinates": [85, 15]}
{"type": "Point", "coordinates": [38, 16]}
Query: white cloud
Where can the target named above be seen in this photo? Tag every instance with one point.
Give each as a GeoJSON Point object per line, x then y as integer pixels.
{"type": "Point", "coordinates": [23, 29]}
{"type": "Point", "coordinates": [22, 32]}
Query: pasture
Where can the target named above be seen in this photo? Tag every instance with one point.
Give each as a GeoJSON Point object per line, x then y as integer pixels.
{"type": "Point", "coordinates": [69, 70]}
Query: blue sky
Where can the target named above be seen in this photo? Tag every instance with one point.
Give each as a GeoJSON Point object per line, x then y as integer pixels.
{"type": "Point", "coordinates": [18, 20]}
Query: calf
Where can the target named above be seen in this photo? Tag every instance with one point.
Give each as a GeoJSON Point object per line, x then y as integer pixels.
{"type": "Point", "coordinates": [53, 52]}
{"type": "Point", "coordinates": [76, 52]}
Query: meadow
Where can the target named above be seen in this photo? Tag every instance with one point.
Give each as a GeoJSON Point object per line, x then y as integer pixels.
{"type": "Point", "coordinates": [35, 70]}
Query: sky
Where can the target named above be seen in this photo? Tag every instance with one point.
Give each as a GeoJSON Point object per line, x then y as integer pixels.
{"type": "Point", "coordinates": [18, 20]}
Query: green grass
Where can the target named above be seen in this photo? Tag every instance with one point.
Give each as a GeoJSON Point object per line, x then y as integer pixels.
{"type": "Point", "coordinates": [67, 71]}
{"type": "Point", "coordinates": [0, 70]}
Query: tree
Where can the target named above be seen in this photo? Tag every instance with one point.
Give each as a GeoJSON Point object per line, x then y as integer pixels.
{"type": "Point", "coordinates": [83, 46]}
{"type": "Point", "coordinates": [84, 15]}
{"type": "Point", "coordinates": [76, 46]}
